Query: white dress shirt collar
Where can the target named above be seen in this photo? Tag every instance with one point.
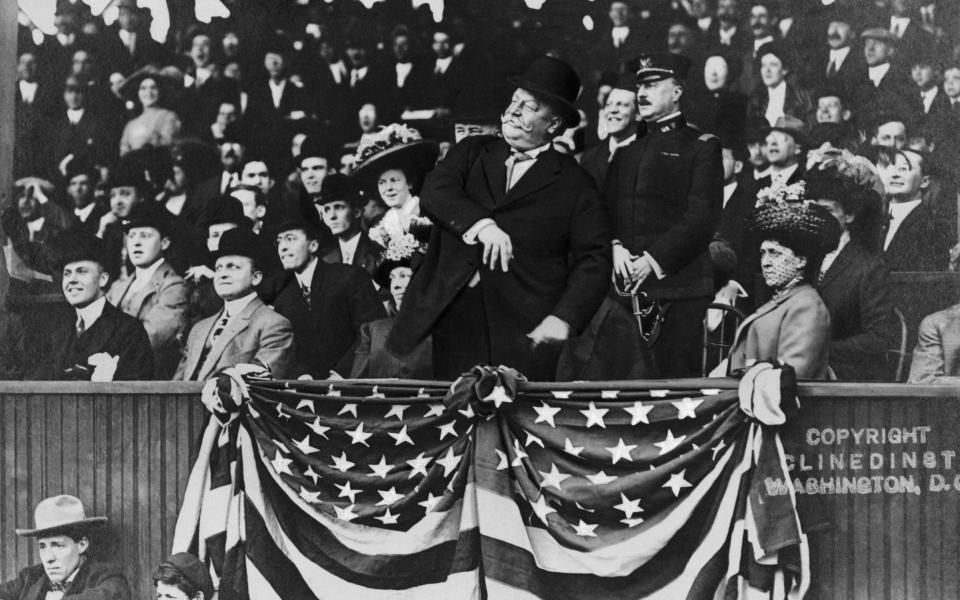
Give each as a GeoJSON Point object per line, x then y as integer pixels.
{"type": "Point", "coordinates": [776, 102]}
{"type": "Point", "coordinates": [305, 279]}
{"type": "Point", "coordinates": [233, 308]}
{"type": "Point", "coordinates": [338, 70]}
{"type": "Point", "coordinates": [877, 73]}
{"type": "Point", "coordinates": [34, 226]}
{"type": "Point", "coordinates": [758, 43]}
{"type": "Point", "coordinates": [443, 64]}
{"type": "Point", "coordinates": [728, 190]}
{"type": "Point", "coordinates": [403, 71]}
{"type": "Point", "coordinates": [615, 145]}
{"type": "Point", "coordinates": [74, 115]}
{"type": "Point", "coordinates": [84, 213]}
{"type": "Point", "coordinates": [348, 248]}
{"type": "Point", "coordinates": [726, 35]}
{"type": "Point", "coordinates": [928, 96]}
{"type": "Point", "coordinates": [28, 91]}
{"type": "Point", "coordinates": [899, 211]}
{"type": "Point", "coordinates": [276, 90]}
{"type": "Point", "coordinates": [898, 25]}
{"type": "Point", "coordinates": [91, 312]}
{"type": "Point", "coordinates": [838, 55]}
{"type": "Point", "coordinates": [780, 176]}
{"type": "Point", "coordinates": [619, 34]}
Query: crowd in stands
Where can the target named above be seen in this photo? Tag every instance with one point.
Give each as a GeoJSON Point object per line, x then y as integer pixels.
{"type": "Point", "coordinates": [249, 190]}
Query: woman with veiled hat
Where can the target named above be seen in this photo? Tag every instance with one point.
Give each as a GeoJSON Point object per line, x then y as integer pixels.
{"type": "Point", "coordinates": [392, 163]}
{"type": "Point", "coordinates": [794, 325]}
{"type": "Point", "coordinates": [155, 125]}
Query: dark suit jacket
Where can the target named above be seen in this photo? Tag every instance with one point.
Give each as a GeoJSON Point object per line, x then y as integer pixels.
{"type": "Point", "coordinates": [268, 125]}
{"type": "Point", "coordinates": [596, 161]}
{"type": "Point", "coordinates": [797, 103]}
{"type": "Point", "coordinates": [862, 323]}
{"type": "Point", "coordinates": [371, 358]}
{"type": "Point", "coordinates": [95, 581]}
{"type": "Point", "coordinates": [560, 236]}
{"type": "Point", "coordinates": [851, 73]}
{"type": "Point", "coordinates": [721, 113]}
{"type": "Point", "coordinates": [342, 298]}
{"type": "Point", "coordinates": [91, 136]}
{"type": "Point", "coordinates": [114, 55]}
{"type": "Point", "coordinates": [896, 87]}
{"type": "Point", "coordinates": [922, 243]}
{"type": "Point", "coordinates": [56, 348]}
{"type": "Point", "coordinates": [412, 95]}
{"type": "Point", "coordinates": [366, 257]}
{"type": "Point", "coordinates": [663, 194]}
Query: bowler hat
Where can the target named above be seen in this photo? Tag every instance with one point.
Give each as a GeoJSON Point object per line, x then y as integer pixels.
{"type": "Point", "coordinates": [128, 173]}
{"type": "Point", "coordinates": [81, 165]}
{"type": "Point", "coordinates": [227, 210]}
{"type": "Point", "coordinates": [241, 242]}
{"type": "Point", "coordinates": [314, 147]}
{"type": "Point", "coordinates": [793, 127]}
{"type": "Point", "coordinates": [337, 186]}
{"type": "Point", "coordinates": [75, 245]}
{"type": "Point", "coordinates": [193, 571]}
{"type": "Point", "coordinates": [654, 66]}
{"type": "Point", "coordinates": [295, 221]}
{"type": "Point", "coordinates": [555, 81]}
{"type": "Point", "coordinates": [878, 33]}
{"type": "Point", "coordinates": [57, 514]}
{"type": "Point", "coordinates": [148, 214]}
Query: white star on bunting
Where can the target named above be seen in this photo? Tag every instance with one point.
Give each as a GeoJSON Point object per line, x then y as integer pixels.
{"type": "Point", "coordinates": [347, 492]}
{"type": "Point", "coordinates": [281, 464]}
{"type": "Point", "coordinates": [716, 449]}
{"type": "Point", "coordinates": [308, 404]}
{"type": "Point", "coordinates": [401, 437]}
{"type": "Point", "coordinates": [332, 392]}
{"type": "Point", "coordinates": [686, 408]}
{"type": "Point", "coordinates": [359, 436]}
{"type": "Point", "coordinates": [628, 506]}
{"type": "Point", "coordinates": [621, 451]}
{"type": "Point", "coordinates": [396, 410]}
{"type": "Point", "coordinates": [311, 497]}
{"type": "Point", "coordinates": [381, 468]}
{"type": "Point", "coordinates": [562, 395]}
{"type": "Point", "coordinates": [545, 413]}
{"type": "Point", "coordinates": [520, 454]}
{"type": "Point", "coordinates": [669, 443]}
{"type": "Point", "coordinates": [498, 395]}
{"type": "Point", "coordinates": [659, 393]}
{"type": "Point", "coordinates": [585, 529]}
{"type": "Point", "coordinates": [348, 408]}
{"type": "Point", "coordinates": [430, 504]}
{"type": "Point", "coordinates": [346, 514]}
{"type": "Point", "coordinates": [389, 497]}
{"type": "Point", "coordinates": [677, 483]}
{"type": "Point", "coordinates": [319, 429]}
{"type": "Point", "coordinates": [601, 478]}
{"type": "Point", "coordinates": [502, 462]}
{"type": "Point", "coordinates": [387, 518]}
{"type": "Point", "coordinates": [375, 393]}
{"type": "Point", "coordinates": [434, 410]}
{"type": "Point", "coordinates": [304, 445]}
{"type": "Point", "coordinates": [609, 394]}
{"type": "Point", "coordinates": [631, 522]}
{"type": "Point", "coordinates": [311, 474]}
{"type": "Point", "coordinates": [419, 465]}
{"type": "Point", "coordinates": [467, 412]}
{"type": "Point", "coordinates": [341, 463]}
{"type": "Point", "coordinates": [595, 415]}
{"type": "Point", "coordinates": [638, 412]}
{"type": "Point", "coordinates": [542, 509]}
{"type": "Point", "coordinates": [280, 412]}
{"type": "Point", "coordinates": [532, 439]}
{"type": "Point", "coordinates": [449, 461]}
{"type": "Point", "coordinates": [448, 429]}
{"type": "Point", "coordinates": [553, 478]}
{"type": "Point", "coordinates": [569, 448]}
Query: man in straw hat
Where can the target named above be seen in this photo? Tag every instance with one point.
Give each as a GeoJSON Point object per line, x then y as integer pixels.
{"type": "Point", "coordinates": [519, 258]}
{"type": "Point", "coordinates": [61, 528]}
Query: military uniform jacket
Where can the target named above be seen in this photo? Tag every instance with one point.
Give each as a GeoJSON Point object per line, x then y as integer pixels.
{"type": "Point", "coordinates": [663, 194]}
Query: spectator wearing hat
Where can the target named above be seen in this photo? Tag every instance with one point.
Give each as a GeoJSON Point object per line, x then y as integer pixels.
{"type": "Point", "coordinates": [448, 75]}
{"type": "Point", "coordinates": [727, 31]}
{"type": "Point", "coordinates": [206, 90]}
{"type": "Point", "coordinates": [127, 45]}
{"type": "Point", "coordinates": [714, 107]}
{"type": "Point", "coordinates": [619, 115]}
{"type": "Point", "coordinates": [245, 329]}
{"type": "Point", "coordinates": [832, 106]}
{"type": "Point", "coordinates": [915, 239]}
{"type": "Point", "coordinates": [92, 340]}
{"type": "Point", "coordinates": [392, 164]}
{"type": "Point", "coordinates": [777, 97]}
{"type": "Point", "coordinates": [621, 39]}
{"type": "Point", "coordinates": [33, 102]}
{"type": "Point", "coordinates": [885, 83]}
{"type": "Point", "coordinates": [82, 177]}
{"type": "Point", "coordinates": [326, 303]}
{"type": "Point", "coordinates": [837, 64]}
{"type": "Point", "coordinates": [664, 197]}
{"type": "Point", "coordinates": [912, 38]}
{"type": "Point", "coordinates": [762, 24]}
{"type": "Point", "coordinates": [519, 258]}
{"type": "Point", "coordinates": [340, 206]}
{"type": "Point", "coordinates": [888, 130]}
{"type": "Point", "coordinates": [79, 129]}
{"type": "Point", "coordinates": [786, 144]}
{"type": "Point", "coordinates": [154, 125]}
{"type": "Point", "coordinates": [408, 85]}
{"type": "Point", "coordinates": [232, 149]}
{"type": "Point", "coordinates": [371, 358]}
{"type": "Point", "coordinates": [926, 73]}
{"type": "Point", "coordinates": [30, 224]}
{"type": "Point", "coordinates": [66, 570]}
{"type": "Point", "coordinates": [154, 293]}
{"type": "Point", "coordinates": [793, 327]}
{"type": "Point", "coordinates": [183, 576]}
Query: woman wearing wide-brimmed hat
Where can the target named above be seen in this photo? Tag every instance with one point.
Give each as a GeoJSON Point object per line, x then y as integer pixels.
{"type": "Point", "coordinates": [391, 164]}
{"type": "Point", "coordinates": [794, 325]}
{"type": "Point", "coordinates": [155, 125]}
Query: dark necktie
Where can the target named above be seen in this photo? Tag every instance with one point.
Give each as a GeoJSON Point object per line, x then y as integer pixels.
{"type": "Point", "coordinates": [832, 69]}
{"type": "Point", "coordinates": [305, 292]}
{"type": "Point", "coordinates": [217, 331]}
{"type": "Point", "coordinates": [81, 327]}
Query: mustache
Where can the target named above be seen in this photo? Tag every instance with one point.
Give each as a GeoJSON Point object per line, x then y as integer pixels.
{"type": "Point", "coordinates": [519, 125]}
{"type": "Point", "coordinates": [643, 102]}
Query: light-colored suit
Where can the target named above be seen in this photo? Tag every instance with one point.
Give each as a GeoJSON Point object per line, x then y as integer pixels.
{"type": "Point", "coordinates": [161, 306]}
{"type": "Point", "coordinates": [936, 358]}
{"type": "Point", "coordinates": [794, 329]}
{"type": "Point", "coordinates": [257, 333]}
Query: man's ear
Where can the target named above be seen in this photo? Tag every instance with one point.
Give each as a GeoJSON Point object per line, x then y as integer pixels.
{"type": "Point", "coordinates": [103, 279]}
{"type": "Point", "coordinates": [164, 243]}
{"type": "Point", "coordinates": [924, 182]}
{"type": "Point", "coordinates": [83, 543]}
{"type": "Point", "coordinates": [314, 245]}
{"type": "Point", "coordinates": [260, 211]}
{"type": "Point", "coordinates": [737, 167]}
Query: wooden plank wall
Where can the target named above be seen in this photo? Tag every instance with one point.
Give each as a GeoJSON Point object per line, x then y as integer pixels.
{"type": "Point", "coordinates": [125, 455]}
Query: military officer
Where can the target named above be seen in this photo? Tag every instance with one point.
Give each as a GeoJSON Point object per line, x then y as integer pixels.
{"type": "Point", "coordinates": [664, 194]}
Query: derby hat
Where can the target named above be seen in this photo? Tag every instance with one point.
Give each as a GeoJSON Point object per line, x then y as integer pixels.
{"type": "Point", "coordinates": [148, 214]}
{"type": "Point", "coordinates": [313, 146]}
{"type": "Point", "coordinates": [556, 82]}
{"type": "Point", "coordinates": [81, 164]}
{"type": "Point", "coordinates": [241, 242]}
{"type": "Point", "coordinates": [227, 210]}
{"type": "Point", "coordinates": [396, 146]}
{"type": "Point", "coordinates": [337, 186]}
{"type": "Point", "coordinates": [75, 245]}
{"type": "Point", "coordinates": [128, 172]}
{"type": "Point", "coordinates": [57, 514]}
{"type": "Point", "coordinates": [793, 127]}
{"type": "Point", "coordinates": [654, 66]}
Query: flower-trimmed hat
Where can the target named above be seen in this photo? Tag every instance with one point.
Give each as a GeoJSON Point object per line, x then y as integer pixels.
{"type": "Point", "coordinates": [395, 146]}
{"type": "Point", "coordinates": [783, 213]}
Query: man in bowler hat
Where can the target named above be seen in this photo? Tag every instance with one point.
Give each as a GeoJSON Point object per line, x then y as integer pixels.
{"type": "Point", "coordinates": [62, 530]}
{"type": "Point", "coordinates": [519, 258]}
{"type": "Point", "coordinates": [663, 195]}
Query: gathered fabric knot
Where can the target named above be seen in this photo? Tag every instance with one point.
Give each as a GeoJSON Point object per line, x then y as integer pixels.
{"type": "Point", "coordinates": [768, 393]}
